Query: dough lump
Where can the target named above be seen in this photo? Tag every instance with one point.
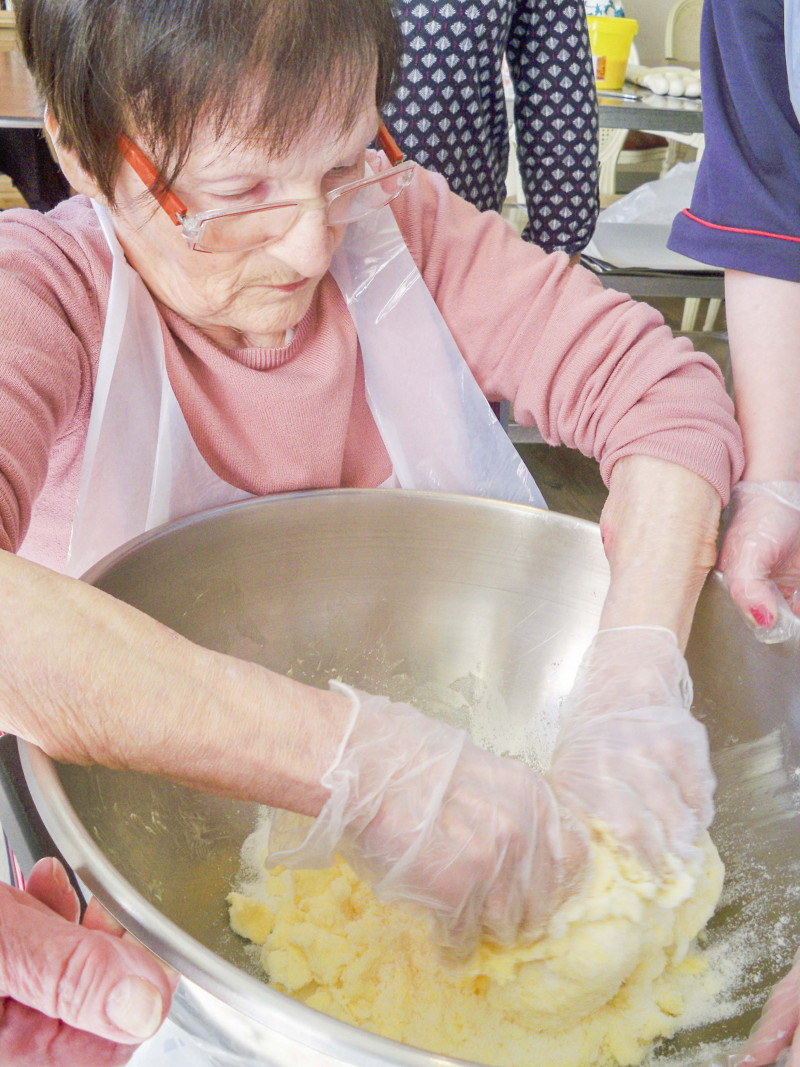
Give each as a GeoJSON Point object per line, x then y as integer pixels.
{"type": "Point", "coordinates": [616, 971]}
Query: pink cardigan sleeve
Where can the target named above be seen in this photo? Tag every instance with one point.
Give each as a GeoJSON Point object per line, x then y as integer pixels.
{"type": "Point", "coordinates": [590, 367]}
{"type": "Point", "coordinates": [49, 322]}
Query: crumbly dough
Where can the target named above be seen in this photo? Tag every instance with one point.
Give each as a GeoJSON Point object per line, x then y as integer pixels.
{"type": "Point", "coordinates": [616, 971]}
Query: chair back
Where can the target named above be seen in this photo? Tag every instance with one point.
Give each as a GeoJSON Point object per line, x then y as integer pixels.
{"type": "Point", "coordinates": [682, 34]}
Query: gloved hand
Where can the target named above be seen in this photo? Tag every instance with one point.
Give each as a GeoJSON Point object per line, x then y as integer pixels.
{"type": "Point", "coordinates": [426, 816]}
{"type": "Point", "coordinates": [773, 1037]}
{"type": "Point", "coordinates": [760, 556]}
{"type": "Point", "coordinates": [629, 752]}
{"type": "Point", "coordinates": [72, 995]}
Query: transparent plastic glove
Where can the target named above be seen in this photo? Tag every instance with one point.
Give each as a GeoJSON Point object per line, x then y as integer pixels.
{"type": "Point", "coordinates": [427, 817]}
{"type": "Point", "coordinates": [72, 995]}
{"type": "Point", "coordinates": [772, 1039]}
{"type": "Point", "coordinates": [629, 751]}
{"type": "Point", "coordinates": [760, 556]}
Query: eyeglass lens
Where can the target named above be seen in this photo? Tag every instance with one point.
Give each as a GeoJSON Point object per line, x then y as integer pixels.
{"type": "Point", "coordinates": [249, 229]}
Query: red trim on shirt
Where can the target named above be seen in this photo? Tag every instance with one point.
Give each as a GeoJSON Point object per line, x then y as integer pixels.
{"type": "Point", "coordinates": [739, 229]}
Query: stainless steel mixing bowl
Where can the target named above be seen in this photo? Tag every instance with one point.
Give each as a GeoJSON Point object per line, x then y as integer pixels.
{"type": "Point", "coordinates": [407, 594]}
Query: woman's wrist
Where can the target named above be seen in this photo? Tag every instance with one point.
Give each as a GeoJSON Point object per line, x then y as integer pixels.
{"type": "Point", "coordinates": [660, 527]}
{"type": "Point", "coordinates": [284, 736]}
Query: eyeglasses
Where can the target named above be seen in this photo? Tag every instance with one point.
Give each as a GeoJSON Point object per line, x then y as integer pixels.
{"type": "Point", "coordinates": [239, 231]}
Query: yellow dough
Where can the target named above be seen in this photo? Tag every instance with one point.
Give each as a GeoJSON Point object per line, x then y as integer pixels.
{"type": "Point", "coordinates": [616, 971]}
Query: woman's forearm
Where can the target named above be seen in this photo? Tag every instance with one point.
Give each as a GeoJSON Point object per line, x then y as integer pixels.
{"type": "Point", "coordinates": [763, 321]}
{"type": "Point", "coordinates": [659, 529]}
{"type": "Point", "coordinates": [92, 680]}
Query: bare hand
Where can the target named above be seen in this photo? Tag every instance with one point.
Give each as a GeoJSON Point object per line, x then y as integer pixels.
{"type": "Point", "coordinates": [72, 995]}
{"type": "Point", "coordinates": [776, 1029]}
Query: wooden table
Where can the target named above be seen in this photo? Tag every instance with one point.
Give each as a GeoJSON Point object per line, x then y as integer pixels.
{"type": "Point", "coordinates": [659, 114]}
{"type": "Point", "coordinates": [20, 107]}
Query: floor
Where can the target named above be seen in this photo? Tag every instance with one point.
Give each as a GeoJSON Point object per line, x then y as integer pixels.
{"type": "Point", "coordinates": [10, 196]}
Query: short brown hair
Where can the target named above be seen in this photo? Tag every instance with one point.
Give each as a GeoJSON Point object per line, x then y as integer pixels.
{"type": "Point", "coordinates": [263, 67]}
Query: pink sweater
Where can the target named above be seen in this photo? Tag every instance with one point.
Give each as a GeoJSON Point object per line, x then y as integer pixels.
{"type": "Point", "coordinates": [591, 368]}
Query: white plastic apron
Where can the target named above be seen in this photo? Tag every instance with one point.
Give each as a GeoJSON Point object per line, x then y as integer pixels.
{"type": "Point", "coordinates": [141, 467]}
{"type": "Point", "coordinates": [436, 424]}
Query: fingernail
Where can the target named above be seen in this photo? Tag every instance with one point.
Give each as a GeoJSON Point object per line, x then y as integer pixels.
{"type": "Point", "coordinates": [762, 617]}
{"type": "Point", "coordinates": [59, 876]}
{"type": "Point", "coordinates": [135, 1006]}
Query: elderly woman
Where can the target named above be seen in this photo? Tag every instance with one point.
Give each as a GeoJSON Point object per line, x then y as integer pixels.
{"type": "Point", "coordinates": [244, 299]}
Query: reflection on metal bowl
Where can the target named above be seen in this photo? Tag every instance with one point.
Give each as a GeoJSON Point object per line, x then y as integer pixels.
{"type": "Point", "coordinates": [379, 588]}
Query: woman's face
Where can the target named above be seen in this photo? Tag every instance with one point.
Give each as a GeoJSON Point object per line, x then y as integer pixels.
{"type": "Point", "coordinates": [242, 299]}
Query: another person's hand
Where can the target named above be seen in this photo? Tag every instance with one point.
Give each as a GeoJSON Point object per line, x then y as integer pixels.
{"type": "Point", "coordinates": [775, 1030]}
{"type": "Point", "coordinates": [72, 995]}
{"type": "Point", "coordinates": [629, 752]}
{"type": "Point", "coordinates": [428, 817]}
{"type": "Point", "coordinates": [760, 556]}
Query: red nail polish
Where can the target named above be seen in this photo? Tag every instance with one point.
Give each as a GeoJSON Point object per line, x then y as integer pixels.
{"type": "Point", "coordinates": [762, 617]}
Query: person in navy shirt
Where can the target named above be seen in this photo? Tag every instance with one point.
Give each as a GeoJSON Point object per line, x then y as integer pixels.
{"type": "Point", "coordinates": [745, 218]}
{"type": "Point", "coordinates": [745, 213]}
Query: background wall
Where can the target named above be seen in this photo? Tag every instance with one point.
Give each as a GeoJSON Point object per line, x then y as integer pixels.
{"type": "Point", "coordinates": [652, 18]}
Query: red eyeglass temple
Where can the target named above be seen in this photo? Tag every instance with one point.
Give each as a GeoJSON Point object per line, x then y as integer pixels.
{"type": "Point", "coordinates": [389, 146]}
{"type": "Point", "coordinates": [172, 204]}
{"type": "Point", "coordinates": [175, 207]}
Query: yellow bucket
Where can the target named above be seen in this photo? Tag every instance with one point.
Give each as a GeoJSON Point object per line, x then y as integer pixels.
{"type": "Point", "coordinates": [611, 41]}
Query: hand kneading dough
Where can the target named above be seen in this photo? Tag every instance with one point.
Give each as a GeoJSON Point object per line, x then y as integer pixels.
{"type": "Point", "coordinates": [614, 974]}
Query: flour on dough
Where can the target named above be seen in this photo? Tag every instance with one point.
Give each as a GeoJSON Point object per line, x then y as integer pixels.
{"type": "Point", "coordinates": [616, 972]}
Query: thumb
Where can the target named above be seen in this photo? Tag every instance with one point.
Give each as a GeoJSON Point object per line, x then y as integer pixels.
{"type": "Point", "coordinates": [89, 979]}
{"type": "Point", "coordinates": [775, 1029]}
